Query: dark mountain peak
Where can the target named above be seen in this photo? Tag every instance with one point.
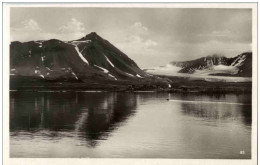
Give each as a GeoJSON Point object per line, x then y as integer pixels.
{"type": "Point", "coordinates": [246, 54]}
{"type": "Point", "coordinates": [90, 36]}
{"type": "Point", "coordinates": [93, 34]}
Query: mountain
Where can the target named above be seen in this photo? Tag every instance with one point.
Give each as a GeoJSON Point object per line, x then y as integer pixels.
{"type": "Point", "coordinates": [90, 58]}
{"type": "Point", "coordinates": [240, 66]}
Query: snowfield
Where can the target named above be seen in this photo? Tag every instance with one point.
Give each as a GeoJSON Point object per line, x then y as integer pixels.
{"type": "Point", "coordinates": [165, 70]}
{"type": "Point", "coordinates": [171, 70]}
{"type": "Point", "coordinates": [218, 69]}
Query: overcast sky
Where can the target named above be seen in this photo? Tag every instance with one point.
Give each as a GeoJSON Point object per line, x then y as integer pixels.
{"type": "Point", "coordinates": [151, 37]}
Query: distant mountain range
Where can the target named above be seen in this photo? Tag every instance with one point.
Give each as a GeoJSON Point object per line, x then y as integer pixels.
{"type": "Point", "coordinates": [240, 66]}
{"type": "Point", "coordinates": [89, 58]}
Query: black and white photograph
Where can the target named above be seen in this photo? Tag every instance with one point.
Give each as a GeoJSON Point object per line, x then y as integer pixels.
{"type": "Point", "coordinates": [159, 81]}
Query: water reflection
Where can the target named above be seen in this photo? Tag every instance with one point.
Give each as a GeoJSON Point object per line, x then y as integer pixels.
{"type": "Point", "coordinates": [90, 116]}
{"type": "Point", "coordinates": [219, 111]}
{"type": "Point", "coordinates": [129, 125]}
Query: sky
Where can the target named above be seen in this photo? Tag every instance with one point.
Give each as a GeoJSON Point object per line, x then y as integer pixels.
{"type": "Point", "coordinates": [150, 36]}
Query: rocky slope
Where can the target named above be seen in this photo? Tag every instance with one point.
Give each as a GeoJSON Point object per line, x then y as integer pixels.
{"type": "Point", "coordinates": [79, 59]}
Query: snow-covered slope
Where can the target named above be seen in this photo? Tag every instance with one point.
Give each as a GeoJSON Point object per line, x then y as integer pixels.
{"type": "Point", "coordinates": [240, 65]}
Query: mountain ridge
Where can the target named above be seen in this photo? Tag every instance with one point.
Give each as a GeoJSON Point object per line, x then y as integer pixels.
{"type": "Point", "coordinates": [80, 47]}
{"type": "Point", "coordinates": [88, 58]}
{"type": "Point", "coordinates": [240, 65]}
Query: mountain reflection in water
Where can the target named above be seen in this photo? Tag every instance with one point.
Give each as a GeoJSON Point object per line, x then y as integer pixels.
{"type": "Point", "coordinates": [130, 125]}
{"type": "Point", "coordinates": [91, 117]}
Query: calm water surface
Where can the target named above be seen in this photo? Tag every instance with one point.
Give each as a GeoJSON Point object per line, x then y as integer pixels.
{"type": "Point", "coordinates": [129, 125]}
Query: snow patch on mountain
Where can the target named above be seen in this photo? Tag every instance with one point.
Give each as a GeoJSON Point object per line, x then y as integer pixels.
{"type": "Point", "coordinates": [42, 76]}
{"type": "Point", "coordinates": [80, 55]}
{"type": "Point", "coordinates": [38, 42]}
{"type": "Point", "coordinates": [109, 61]}
{"type": "Point", "coordinates": [129, 74]}
{"type": "Point", "coordinates": [110, 75]}
{"type": "Point", "coordinates": [74, 75]}
{"type": "Point", "coordinates": [137, 75]}
{"type": "Point", "coordinates": [105, 70]}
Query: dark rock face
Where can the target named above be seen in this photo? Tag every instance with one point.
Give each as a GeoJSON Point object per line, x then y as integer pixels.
{"type": "Point", "coordinates": [242, 62]}
{"type": "Point", "coordinates": [90, 57]}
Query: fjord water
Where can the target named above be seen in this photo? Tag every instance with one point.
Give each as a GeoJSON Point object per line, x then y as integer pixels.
{"type": "Point", "coordinates": [130, 125]}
